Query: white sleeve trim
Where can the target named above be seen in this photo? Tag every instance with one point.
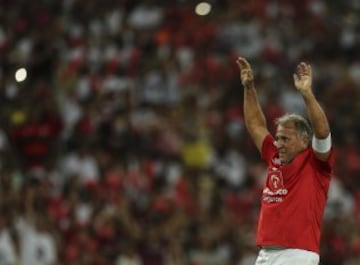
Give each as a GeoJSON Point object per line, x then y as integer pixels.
{"type": "Point", "coordinates": [321, 145]}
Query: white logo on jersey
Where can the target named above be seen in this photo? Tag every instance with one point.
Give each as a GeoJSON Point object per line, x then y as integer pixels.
{"type": "Point", "coordinates": [275, 190]}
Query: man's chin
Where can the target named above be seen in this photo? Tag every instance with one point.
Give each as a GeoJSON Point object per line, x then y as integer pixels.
{"type": "Point", "coordinates": [283, 160]}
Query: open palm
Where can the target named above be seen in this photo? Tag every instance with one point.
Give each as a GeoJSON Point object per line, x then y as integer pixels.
{"type": "Point", "coordinates": [246, 74]}
{"type": "Point", "coordinates": [303, 77]}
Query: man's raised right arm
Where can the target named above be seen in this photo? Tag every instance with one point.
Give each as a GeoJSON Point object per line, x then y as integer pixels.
{"type": "Point", "coordinates": [254, 117]}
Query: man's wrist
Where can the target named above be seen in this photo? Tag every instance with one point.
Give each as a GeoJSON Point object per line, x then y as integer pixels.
{"type": "Point", "coordinates": [307, 93]}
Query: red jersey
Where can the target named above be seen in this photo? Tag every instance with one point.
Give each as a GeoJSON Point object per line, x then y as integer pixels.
{"type": "Point", "coordinates": [293, 199]}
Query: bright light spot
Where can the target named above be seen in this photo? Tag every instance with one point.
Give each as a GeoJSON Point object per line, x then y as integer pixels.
{"type": "Point", "coordinates": [202, 9]}
{"type": "Point", "coordinates": [20, 74]}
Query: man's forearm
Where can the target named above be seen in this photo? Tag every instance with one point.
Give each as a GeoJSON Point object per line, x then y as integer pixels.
{"type": "Point", "coordinates": [317, 116]}
{"type": "Point", "coordinates": [254, 117]}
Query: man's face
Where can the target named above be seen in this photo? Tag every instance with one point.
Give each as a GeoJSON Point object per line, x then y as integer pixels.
{"type": "Point", "coordinates": [288, 142]}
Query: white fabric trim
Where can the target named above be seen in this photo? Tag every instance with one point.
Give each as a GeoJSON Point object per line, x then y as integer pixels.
{"type": "Point", "coordinates": [287, 256]}
{"type": "Point", "coordinates": [321, 145]}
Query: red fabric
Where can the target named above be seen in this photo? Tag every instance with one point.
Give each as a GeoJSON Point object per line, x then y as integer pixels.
{"type": "Point", "coordinates": [293, 199]}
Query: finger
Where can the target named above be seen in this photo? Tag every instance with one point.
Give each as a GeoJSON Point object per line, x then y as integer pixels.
{"type": "Point", "coordinates": [300, 68]}
{"type": "Point", "coordinates": [306, 67]}
{"type": "Point", "coordinates": [243, 63]}
{"type": "Point", "coordinates": [309, 69]}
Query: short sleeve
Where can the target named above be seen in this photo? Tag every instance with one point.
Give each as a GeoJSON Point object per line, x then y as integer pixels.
{"type": "Point", "coordinates": [326, 166]}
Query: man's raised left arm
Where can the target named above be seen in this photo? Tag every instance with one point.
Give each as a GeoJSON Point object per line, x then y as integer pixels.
{"type": "Point", "coordinates": [321, 142]}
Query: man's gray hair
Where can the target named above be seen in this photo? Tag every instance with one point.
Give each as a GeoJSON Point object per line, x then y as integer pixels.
{"type": "Point", "coordinates": [302, 126]}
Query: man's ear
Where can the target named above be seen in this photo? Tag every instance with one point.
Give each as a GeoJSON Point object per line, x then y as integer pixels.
{"type": "Point", "coordinates": [306, 142]}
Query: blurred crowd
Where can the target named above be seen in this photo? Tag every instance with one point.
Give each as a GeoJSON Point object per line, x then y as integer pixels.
{"type": "Point", "coordinates": [125, 144]}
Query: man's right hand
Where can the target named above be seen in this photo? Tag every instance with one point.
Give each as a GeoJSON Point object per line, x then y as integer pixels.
{"type": "Point", "coordinates": [303, 78]}
{"type": "Point", "coordinates": [246, 74]}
